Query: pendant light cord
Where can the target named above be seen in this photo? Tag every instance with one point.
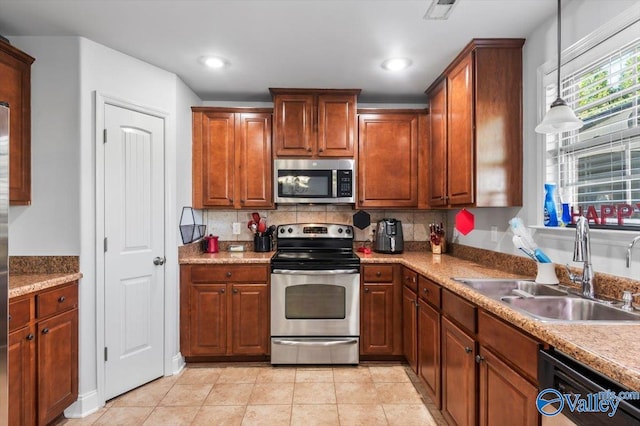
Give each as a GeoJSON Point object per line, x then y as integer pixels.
{"type": "Point", "coordinates": [559, 46]}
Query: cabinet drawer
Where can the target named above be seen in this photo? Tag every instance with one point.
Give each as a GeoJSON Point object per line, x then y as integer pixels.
{"type": "Point", "coordinates": [57, 300]}
{"type": "Point", "coordinates": [229, 273]}
{"type": "Point", "coordinates": [513, 346]}
{"type": "Point", "coordinates": [19, 313]}
{"type": "Point", "coordinates": [377, 273]}
{"type": "Point", "coordinates": [429, 291]}
{"type": "Point", "coordinates": [410, 278]}
{"type": "Point", "coordinates": [458, 309]}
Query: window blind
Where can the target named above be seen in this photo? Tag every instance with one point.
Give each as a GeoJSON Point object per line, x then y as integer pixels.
{"type": "Point", "coordinates": [598, 166]}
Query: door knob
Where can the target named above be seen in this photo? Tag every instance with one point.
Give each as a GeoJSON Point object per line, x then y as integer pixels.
{"type": "Point", "coordinates": [159, 260]}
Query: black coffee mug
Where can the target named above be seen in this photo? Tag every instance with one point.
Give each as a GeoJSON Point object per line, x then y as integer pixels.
{"type": "Point", "coordinates": [262, 243]}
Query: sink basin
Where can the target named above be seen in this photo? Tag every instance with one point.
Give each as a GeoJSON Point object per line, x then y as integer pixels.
{"type": "Point", "coordinates": [568, 309]}
{"type": "Point", "coordinates": [497, 287]}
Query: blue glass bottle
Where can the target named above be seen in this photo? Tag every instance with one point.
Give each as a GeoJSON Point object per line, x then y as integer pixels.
{"type": "Point", "coordinates": [550, 213]}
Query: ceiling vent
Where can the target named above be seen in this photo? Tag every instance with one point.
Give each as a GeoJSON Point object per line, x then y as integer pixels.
{"type": "Point", "coordinates": [440, 9]}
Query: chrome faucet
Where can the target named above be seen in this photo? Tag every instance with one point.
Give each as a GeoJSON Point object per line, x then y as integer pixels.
{"type": "Point", "coordinates": [582, 253]}
{"type": "Point", "coordinates": [629, 247]}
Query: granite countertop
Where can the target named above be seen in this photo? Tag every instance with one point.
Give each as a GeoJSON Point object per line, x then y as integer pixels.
{"type": "Point", "coordinates": [21, 284]}
{"type": "Point", "coordinates": [611, 349]}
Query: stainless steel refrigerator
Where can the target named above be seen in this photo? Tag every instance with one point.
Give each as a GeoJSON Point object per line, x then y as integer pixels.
{"type": "Point", "coordinates": [4, 259]}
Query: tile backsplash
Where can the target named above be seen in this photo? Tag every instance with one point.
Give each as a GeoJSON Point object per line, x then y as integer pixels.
{"type": "Point", "coordinates": [415, 223]}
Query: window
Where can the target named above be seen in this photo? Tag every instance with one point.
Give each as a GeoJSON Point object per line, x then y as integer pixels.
{"type": "Point", "coordinates": [597, 168]}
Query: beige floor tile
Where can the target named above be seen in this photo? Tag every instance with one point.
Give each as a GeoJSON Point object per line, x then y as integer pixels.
{"type": "Point", "coordinates": [145, 396]}
{"type": "Point", "coordinates": [304, 375]}
{"type": "Point", "coordinates": [129, 416]}
{"type": "Point", "coordinates": [199, 376]}
{"type": "Point", "coordinates": [173, 416]}
{"type": "Point", "coordinates": [315, 415]}
{"type": "Point", "coordinates": [229, 394]}
{"type": "Point", "coordinates": [350, 374]}
{"type": "Point", "coordinates": [361, 414]}
{"type": "Point", "coordinates": [239, 374]}
{"type": "Point", "coordinates": [394, 374]}
{"type": "Point", "coordinates": [228, 415]}
{"type": "Point", "coordinates": [186, 395]}
{"type": "Point", "coordinates": [397, 393]}
{"type": "Point", "coordinates": [356, 393]}
{"type": "Point", "coordinates": [277, 375]}
{"type": "Point", "coordinates": [272, 415]}
{"type": "Point", "coordinates": [314, 393]}
{"type": "Point", "coordinates": [271, 393]}
{"type": "Point", "coordinates": [408, 415]}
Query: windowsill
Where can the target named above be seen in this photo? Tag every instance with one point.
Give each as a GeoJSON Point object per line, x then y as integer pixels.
{"type": "Point", "coordinates": [604, 236]}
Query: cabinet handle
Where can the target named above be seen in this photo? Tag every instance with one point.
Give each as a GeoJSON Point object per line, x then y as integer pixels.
{"type": "Point", "coordinates": [9, 317]}
{"type": "Point", "coordinates": [467, 349]}
{"type": "Point", "coordinates": [45, 331]}
{"type": "Point", "coordinates": [321, 149]}
{"type": "Point", "coordinates": [61, 299]}
{"type": "Point", "coordinates": [425, 290]}
{"type": "Point", "coordinates": [222, 290]}
{"type": "Point", "coordinates": [235, 290]}
{"type": "Point", "coordinates": [242, 201]}
{"type": "Point", "coordinates": [378, 274]}
{"type": "Point", "coordinates": [231, 200]}
{"type": "Point", "coordinates": [30, 336]}
{"type": "Point", "coordinates": [366, 289]}
{"type": "Point", "coordinates": [309, 149]}
{"type": "Point", "coordinates": [228, 274]}
{"type": "Point", "coordinates": [479, 359]}
{"type": "Point", "coordinates": [361, 201]}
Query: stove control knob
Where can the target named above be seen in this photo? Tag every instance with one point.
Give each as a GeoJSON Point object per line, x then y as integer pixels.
{"type": "Point", "coordinates": [290, 230]}
{"type": "Point", "coordinates": [282, 230]}
{"type": "Point", "coordinates": [348, 231]}
{"type": "Point", "coordinates": [339, 230]}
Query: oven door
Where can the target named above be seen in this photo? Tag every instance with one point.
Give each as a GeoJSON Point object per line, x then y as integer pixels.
{"type": "Point", "coordinates": [315, 303]}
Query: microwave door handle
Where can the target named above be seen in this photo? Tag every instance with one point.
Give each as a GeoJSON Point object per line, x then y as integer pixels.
{"type": "Point", "coordinates": [334, 183]}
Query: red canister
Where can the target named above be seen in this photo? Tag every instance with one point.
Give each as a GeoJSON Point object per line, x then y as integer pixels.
{"type": "Point", "coordinates": [211, 243]}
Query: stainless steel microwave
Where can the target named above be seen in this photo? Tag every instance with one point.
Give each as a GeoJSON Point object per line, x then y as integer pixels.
{"type": "Point", "coordinates": [314, 181]}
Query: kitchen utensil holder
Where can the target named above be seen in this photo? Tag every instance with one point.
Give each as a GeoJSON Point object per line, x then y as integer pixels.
{"type": "Point", "coordinates": [262, 243]}
{"type": "Point", "coordinates": [547, 274]}
{"type": "Point", "coordinates": [191, 229]}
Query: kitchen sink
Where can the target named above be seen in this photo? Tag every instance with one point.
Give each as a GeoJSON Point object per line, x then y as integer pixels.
{"type": "Point", "coordinates": [568, 309]}
{"type": "Point", "coordinates": [497, 287]}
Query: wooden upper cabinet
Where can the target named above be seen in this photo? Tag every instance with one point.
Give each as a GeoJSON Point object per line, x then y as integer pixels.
{"type": "Point", "coordinates": [232, 164]}
{"type": "Point", "coordinates": [388, 158]}
{"type": "Point", "coordinates": [314, 122]}
{"type": "Point", "coordinates": [476, 127]}
{"type": "Point", "coordinates": [15, 89]}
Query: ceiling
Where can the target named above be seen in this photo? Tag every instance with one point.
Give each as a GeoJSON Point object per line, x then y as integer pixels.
{"type": "Point", "coordinates": [282, 43]}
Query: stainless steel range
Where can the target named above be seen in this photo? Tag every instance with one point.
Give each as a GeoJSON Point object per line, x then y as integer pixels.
{"type": "Point", "coordinates": [315, 295]}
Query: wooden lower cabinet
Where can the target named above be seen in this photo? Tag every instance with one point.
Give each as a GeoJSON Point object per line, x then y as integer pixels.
{"type": "Point", "coordinates": [224, 310]}
{"type": "Point", "coordinates": [506, 398]}
{"type": "Point", "coordinates": [377, 319]}
{"type": "Point", "coordinates": [43, 355]}
{"type": "Point", "coordinates": [410, 327]}
{"type": "Point", "coordinates": [459, 380]}
{"type": "Point", "coordinates": [429, 350]}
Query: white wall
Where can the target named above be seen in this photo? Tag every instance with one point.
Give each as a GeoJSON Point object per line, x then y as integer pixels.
{"type": "Point", "coordinates": [579, 19]}
{"type": "Point", "coordinates": [41, 229]}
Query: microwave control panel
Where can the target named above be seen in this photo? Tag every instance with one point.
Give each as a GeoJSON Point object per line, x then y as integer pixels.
{"type": "Point", "coordinates": [345, 183]}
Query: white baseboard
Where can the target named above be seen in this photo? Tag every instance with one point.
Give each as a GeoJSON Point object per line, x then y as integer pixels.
{"type": "Point", "coordinates": [86, 404]}
{"type": "Point", "coordinates": [177, 363]}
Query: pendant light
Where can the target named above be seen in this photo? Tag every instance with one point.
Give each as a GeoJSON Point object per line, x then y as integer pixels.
{"type": "Point", "coordinates": [560, 117]}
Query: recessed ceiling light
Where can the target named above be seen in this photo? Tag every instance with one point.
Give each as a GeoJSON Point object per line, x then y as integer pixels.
{"type": "Point", "coordinates": [440, 9]}
{"type": "Point", "coordinates": [396, 64]}
{"type": "Point", "coordinates": [214, 62]}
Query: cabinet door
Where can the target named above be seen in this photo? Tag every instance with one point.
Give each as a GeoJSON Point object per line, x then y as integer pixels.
{"type": "Point", "coordinates": [438, 145]}
{"type": "Point", "coordinates": [458, 375]}
{"type": "Point", "coordinates": [253, 148]}
{"type": "Point", "coordinates": [15, 89]}
{"type": "Point", "coordinates": [336, 125]}
{"type": "Point", "coordinates": [57, 364]}
{"type": "Point", "coordinates": [250, 319]}
{"type": "Point", "coordinates": [22, 347]}
{"type": "Point", "coordinates": [460, 125]}
{"type": "Point", "coordinates": [388, 160]}
{"type": "Point", "coordinates": [213, 159]}
{"type": "Point", "coordinates": [293, 133]}
{"type": "Point", "coordinates": [208, 319]}
{"type": "Point", "coordinates": [429, 350]}
{"type": "Point", "coordinates": [409, 327]}
{"type": "Point", "coordinates": [377, 319]}
{"type": "Point", "coordinates": [505, 397]}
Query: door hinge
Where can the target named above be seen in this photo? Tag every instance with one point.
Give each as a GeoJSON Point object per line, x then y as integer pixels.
{"type": "Point", "coordinates": [104, 135]}
{"type": "Point", "coordinates": [105, 353]}
{"type": "Point", "coordinates": [105, 244]}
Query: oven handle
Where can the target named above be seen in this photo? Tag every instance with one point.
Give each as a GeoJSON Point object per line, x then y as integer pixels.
{"type": "Point", "coordinates": [315, 272]}
{"type": "Point", "coordinates": [317, 342]}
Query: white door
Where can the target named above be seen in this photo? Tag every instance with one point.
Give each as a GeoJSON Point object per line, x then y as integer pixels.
{"type": "Point", "coordinates": [134, 249]}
